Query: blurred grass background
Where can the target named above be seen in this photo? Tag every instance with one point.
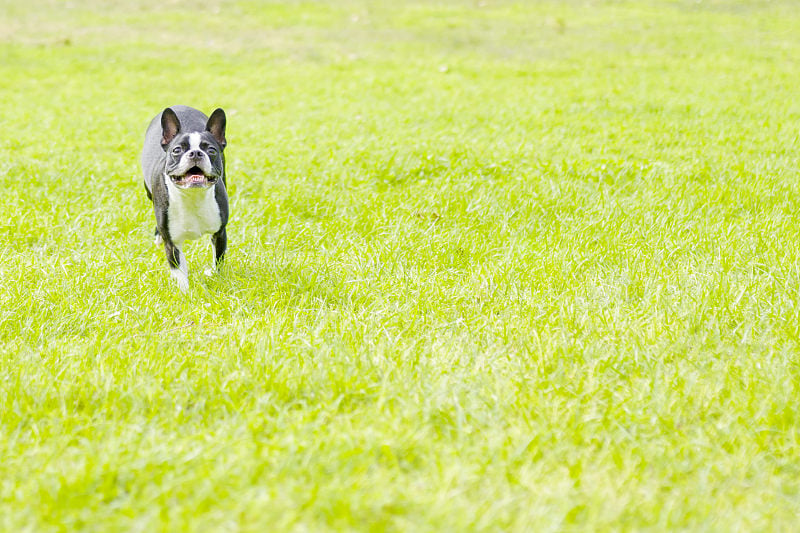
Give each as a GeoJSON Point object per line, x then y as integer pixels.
{"type": "Point", "coordinates": [493, 266]}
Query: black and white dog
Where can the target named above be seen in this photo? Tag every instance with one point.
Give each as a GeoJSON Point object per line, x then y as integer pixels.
{"type": "Point", "coordinates": [184, 174]}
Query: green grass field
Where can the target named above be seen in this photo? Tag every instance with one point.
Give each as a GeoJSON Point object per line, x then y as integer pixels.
{"type": "Point", "coordinates": [493, 266]}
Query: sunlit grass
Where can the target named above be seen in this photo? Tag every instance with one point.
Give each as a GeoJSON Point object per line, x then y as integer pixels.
{"type": "Point", "coordinates": [492, 266]}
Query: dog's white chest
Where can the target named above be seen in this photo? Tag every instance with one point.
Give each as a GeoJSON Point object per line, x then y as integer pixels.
{"type": "Point", "coordinates": [192, 213]}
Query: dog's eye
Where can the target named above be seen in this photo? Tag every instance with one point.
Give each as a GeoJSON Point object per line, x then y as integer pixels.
{"type": "Point", "coordinates": [211, 151]}
{"type": "Point", "coordinates": [177, 150]}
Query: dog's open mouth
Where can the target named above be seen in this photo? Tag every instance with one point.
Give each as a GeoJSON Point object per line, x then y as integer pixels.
{"type": "Point", "coordinates": [194, 177]}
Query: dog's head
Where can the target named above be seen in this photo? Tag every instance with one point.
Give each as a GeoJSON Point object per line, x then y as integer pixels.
{"type": "Point", "coordinates": [194, 159]}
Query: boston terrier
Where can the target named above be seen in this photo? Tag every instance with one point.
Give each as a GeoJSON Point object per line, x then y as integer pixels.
{"type": "Point", "coordinates": [184, 175]}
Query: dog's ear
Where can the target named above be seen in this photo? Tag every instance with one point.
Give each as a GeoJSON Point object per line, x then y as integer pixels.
{"type": "Point", "coordinates": [170, 126]}
{"type": "Point", "coordinates": [216, 125]}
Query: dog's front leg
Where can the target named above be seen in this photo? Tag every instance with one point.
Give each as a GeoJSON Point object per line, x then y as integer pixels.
{"type": "Point", "coordinates": [177, 265]}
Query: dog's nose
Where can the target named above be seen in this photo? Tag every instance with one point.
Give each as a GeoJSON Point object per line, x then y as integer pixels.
{"type": "Point", "coordinates": [194, 154]}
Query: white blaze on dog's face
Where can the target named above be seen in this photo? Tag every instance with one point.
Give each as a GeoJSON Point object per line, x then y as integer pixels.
{"type": "Point", "coordinates": [194, 159]}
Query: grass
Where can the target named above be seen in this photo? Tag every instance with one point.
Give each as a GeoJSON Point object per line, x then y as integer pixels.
{"type": "Point", "coordinates": [519, 266]}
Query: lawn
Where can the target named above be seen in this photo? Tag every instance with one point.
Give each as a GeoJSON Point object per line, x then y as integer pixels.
{"type": "Point", "coordinates": [493, 266]}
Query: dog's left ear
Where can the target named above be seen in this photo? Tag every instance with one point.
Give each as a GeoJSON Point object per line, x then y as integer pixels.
{"type": "Point", "coordinates": [216, 125]}
{"type": "Point", "coordinates": [170, 127]}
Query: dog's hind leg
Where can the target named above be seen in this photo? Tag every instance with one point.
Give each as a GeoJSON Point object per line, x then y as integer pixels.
{"type": "Point", "coordinates": [219, 244]}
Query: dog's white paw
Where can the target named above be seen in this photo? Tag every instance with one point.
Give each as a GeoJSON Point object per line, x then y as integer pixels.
{"type": "Point", "coordinates": [158, 240]}
{"type": "Point", "coordinates": [181, 278]}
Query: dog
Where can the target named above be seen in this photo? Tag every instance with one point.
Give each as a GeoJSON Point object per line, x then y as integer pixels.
{"type": "Point", "coordinates": [184, 175]}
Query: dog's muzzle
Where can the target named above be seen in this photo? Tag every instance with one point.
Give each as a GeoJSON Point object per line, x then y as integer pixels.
{"type": "Point", "coordinates": [194, 177]}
